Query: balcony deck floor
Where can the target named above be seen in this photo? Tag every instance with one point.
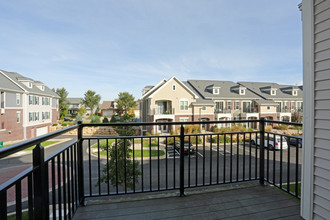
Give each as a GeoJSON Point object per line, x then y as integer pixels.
{"type": "Point", "coordinates": [249, 202]}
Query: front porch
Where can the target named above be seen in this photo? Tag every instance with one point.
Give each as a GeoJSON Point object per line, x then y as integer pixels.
{"type": "Point", "coordinates": [248, 200]}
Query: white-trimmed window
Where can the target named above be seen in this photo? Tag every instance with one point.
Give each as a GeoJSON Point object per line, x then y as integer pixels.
{"type": "Point", "coordinates": [216, 91]}
{"type": "Point", "coordinates": [184, 119]}
{"type": "Point", "coordinates": [18, 117]}
{"type": "Point", "coordinates": [203, 108]}
{"type": "Point", "coordinates": [294, 92]}
{"type": "Point", "coordinates": [237, 105]}
{"type": "Point", "coordinates": [18, 99]}
{"type": "Point", "coordinates": [242, 91]}
{"type": "Point", "coordinates": [173, 87]}
{"type": "Point", "coordinates": [184, 104]}
{"type": "Point", "coordinates": [229, 105]}
{"type": "Point", "coordinates": [30, 84]}
{"type": "Point", "coordinates": [2, 99]}
{"type": "Point", "coordinates": [273, 92]}
{"type": "Point", "coordinates": [268, 107]}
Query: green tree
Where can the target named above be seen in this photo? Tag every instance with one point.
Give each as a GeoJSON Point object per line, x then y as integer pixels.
{"type": "Point", "coordinates": [119, 155]}
{"type": "Point", "coordinates": [91, 100]}
{"type": "Point", "coordinates": [82, 111]}
{"type": "Point", "coordinates": [63, 102]}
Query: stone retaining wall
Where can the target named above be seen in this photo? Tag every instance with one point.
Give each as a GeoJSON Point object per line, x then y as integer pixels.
{"type": "Point", "coordinates": [89, 131]}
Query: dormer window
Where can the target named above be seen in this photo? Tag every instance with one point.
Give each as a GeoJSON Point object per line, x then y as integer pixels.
{"type": "Point", "coordinates": [42, 88]}
{"type": "Point", "coordinates": [242, 91]}
{"type": "Point", "coordinates": [30, 84]}
{"type": "Point", "coordinates": [173, 87]}
{"type": "Point", "coordinates": [273, 92]}
{"type": "Point", "coordinates": [216, 91]}
{"type": "Point", "coordinates": [294, 92]}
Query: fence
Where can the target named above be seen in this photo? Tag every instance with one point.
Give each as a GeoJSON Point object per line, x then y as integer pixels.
{"type": "Point", "coordinates": [111, 165]}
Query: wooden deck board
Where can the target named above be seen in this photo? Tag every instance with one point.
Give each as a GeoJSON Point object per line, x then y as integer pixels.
{"type": "Point", "coordinates": [257, 202]}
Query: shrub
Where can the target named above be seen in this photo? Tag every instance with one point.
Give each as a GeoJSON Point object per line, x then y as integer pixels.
{"type": "Point", "coordinates": [64, 124]}
{"type": "Point", "coordinates": [221, 139]}
{"type": "Point", "coordinates": [268, 128]}
{"type": "Point", "coordinates": [78, 118]}
{"type": "Point", "coordinates": [148, 134]}
{"type": "Point", "coordinates": [113, 118]}
{"type": "Point", "coordinates": [95, 119]}
{"type": "Point", "coordinates": [105, 119]}
{"type": "Point", "coordinates": [281, 127]}
{"type": "Point", "coordinates": [55, 124]}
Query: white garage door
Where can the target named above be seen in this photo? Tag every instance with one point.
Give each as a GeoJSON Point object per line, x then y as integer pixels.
{"type": "Point", "coordinates": [42, 131]}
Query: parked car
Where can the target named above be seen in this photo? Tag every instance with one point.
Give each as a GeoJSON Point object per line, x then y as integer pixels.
{"type": "Point", "coordinates": [272, 143]}
{"type": "Point", "coordinates": [293, 140]}
{"type": "Point", "coordinates": [186, 147]}
{"type": "Point", "coordinates": [68, 119]}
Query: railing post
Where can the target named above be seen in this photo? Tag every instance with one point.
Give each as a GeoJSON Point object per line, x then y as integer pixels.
{"type": "Point", "coordinates": [41, 203]}
{"type": "Point", "coordinates": [262, 151]}
{"type": "Point", "coordinates": [80, 165]}
{"type": "Point", "coordinates": [182, 160]}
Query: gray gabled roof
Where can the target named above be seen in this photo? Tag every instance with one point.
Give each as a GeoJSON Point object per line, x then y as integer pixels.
{"type": "Point", "coordinates": [18, 78]}
{"type": "Point", "coordinates": [228, 89]}
{"type": "Point", "coordinates": [74, 100]}
{"type": "Point", "coordinates": [282, 91]}
{"type": "Point", "coordinates": [7, 84]}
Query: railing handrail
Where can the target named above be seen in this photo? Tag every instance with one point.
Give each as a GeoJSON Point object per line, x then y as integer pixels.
{"type": "Point", "coordinates": [28, 143]}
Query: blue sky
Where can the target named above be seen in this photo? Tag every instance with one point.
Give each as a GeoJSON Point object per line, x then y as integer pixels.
{"type": "Point", "coordinates": [115, 46]}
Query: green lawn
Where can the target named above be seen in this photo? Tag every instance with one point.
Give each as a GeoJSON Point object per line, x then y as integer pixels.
{"type": "Point", "coordinates": [103, 143]}
{"type": "Point", "coordinates": [137, 153]}
{"type": "Point", "coordinates": [25, 215]}
{"type": "Point", "coordinates": [293, 188]}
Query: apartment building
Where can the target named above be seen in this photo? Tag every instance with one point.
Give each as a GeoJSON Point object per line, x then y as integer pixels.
{"type": "Point", "coordinates": [208, 100]}
{"type": "Point", "coordinates": [27, 107]}
{"type": "Point", "coordinates": [288, 99]}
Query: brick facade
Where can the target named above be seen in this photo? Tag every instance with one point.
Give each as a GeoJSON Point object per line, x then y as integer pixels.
{"type": "Point", "coordinates": [10, 129]}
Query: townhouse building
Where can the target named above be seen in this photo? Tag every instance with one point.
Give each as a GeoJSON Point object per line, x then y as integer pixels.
{"type": "Point", "coordinates": [288, 99]}
{"type": "Point", "coordinates": [208, 100]}
{"type": "Point", "coordinates": [27, 107]}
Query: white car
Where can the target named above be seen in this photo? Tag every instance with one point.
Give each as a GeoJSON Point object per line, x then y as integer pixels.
{"type": "Point", "coordinates": [272, 144]}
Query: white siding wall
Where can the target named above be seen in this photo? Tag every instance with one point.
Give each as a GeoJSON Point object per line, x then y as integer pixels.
{"type": "Point", "coordinates": [321, 109]}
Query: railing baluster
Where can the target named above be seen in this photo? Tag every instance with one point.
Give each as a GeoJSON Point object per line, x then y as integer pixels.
{"type": "Point", "coordinates": [133, 166]}
{"type": "Point", "coordinates": [81, 166]}
{"type": "Point", "coordinates": [3, 204]}
{"type": "Point", "coordinates": [174, 185]}
{"type": "Point", "coordinates": [196, 175]}
{"type": "Point", "coordinates": [217, 158]}
{"type": "Point", "coordinates": [125, 165]}
{"type": "Point", "coordinates": [158, 165]}
{"type": "Point", "coordinates": [231, 158]}
{"type": "Point", "coordinates": [297, 166]}
{"type": "Point", "coordinates": [68, 182]}
{"type": "Point", "coordinates": [59, 187]}
{"type": "Point", "coordinates": [281, 161]}
{"type": "Point", "coordinates": [237, 158]}
{"type": "Point", "coordinates": [90, 167]}
{"type": "Point", "coordinates": [211, 160]}
{"type": "Point", "coordinates": [64, 186]}
{"type": "Point", "coordinates": [189, 161]}
{"type": "Point", "coordinates": [142, 176]}
{"type": "Point", "coordinates": [116, 147]}
{"type": "Point", "coordinates": [274, 160]}
{"type": "Point", "coordinates": [288, 171]}
{"type": "Point", "coordinates": [203, 159]}
{"type": "Point", "coordinates": [107, 166]}
{"type": "Point", "coordinates": [181, 160]}
{"type": "Point", "coordinates": [98, 166]}
{"type": "Point", "coordinates": [166, 173]}
{"type": "Point", "coordinates": [224, 158]}
{"type": "Point", "coordinates": [18, 192]}
{"type": "Point", "coordinates": [243, 156]}
{"type": "Point", "coordinates": [268, 157]}
{"type": "Point", "coordinates": [150, 166]}
{"type": "Point", "coordinates": [262, 151]}
{"type": "Point", "coordinates": [250, 152]}
{"type": "Point", "coordinates": [40, 199]}
{"type": "Point", "coordinates": [30, 196]}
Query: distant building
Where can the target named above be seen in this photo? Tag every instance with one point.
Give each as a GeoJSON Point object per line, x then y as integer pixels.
{"type": "Point", "coordinates": [107, 108]}
{"type": "Point", "coordinates": [211, 100]}
{"type": "Point", "coordinates": [27, 107]}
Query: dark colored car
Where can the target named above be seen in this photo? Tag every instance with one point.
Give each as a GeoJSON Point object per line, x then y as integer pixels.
{"type": "Point", "coordinates": [293, 141]}
{"type": "Point", "coordinates": [186, 147]}
{"type": "Point", "coordinates": [68, 119]}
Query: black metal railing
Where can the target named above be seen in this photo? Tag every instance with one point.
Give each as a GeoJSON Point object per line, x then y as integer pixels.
{"type": "Point", "coordinates": [94, 166]}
